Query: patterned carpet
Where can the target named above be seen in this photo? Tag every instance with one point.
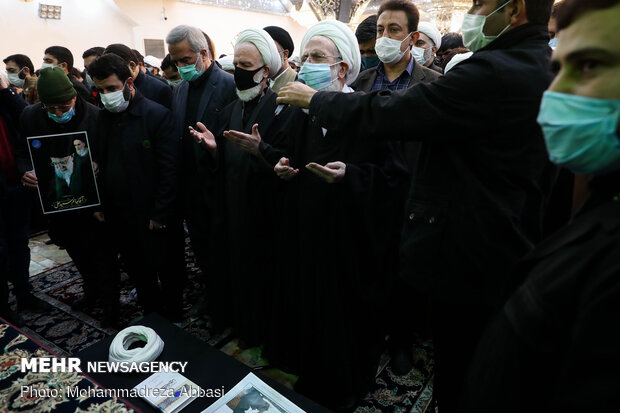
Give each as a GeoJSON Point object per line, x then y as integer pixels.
{"type": "Point", "coordinates": [67, 332]}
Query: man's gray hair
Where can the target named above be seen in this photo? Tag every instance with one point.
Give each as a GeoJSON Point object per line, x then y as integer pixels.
{"type": "Point", "coordinates": [194, 36]}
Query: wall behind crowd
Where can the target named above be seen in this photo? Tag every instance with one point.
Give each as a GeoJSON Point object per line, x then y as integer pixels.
{"type": "Point", "coordinates": [85, 24]}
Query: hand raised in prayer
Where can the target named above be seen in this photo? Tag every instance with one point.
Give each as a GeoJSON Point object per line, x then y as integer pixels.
{"type": "Point", "coordinates": [204, 137]}
{"type": "Point", "coordinates": [284, 170]}
{"type": "Point", "coordinates": [99, 216]}
{"type": "Point", "coordinates": [30, 180]}
{"type": "Point", "coordinates": [296, 94]}
{"type": "Point", "coordinates": [245, 142]}
{"type": "Point", "coordinates": [332, 172]}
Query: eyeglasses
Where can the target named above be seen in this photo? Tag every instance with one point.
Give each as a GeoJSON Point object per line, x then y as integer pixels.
{"type": "Point", "coordinates": [59, 163]}
{"type": "Point", "coordinates": [54, 108]}
{"type": "Point", "coordinates": [316, 58]}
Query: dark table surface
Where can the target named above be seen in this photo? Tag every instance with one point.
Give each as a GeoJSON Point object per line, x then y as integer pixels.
{"type": "Point", "coordinates": [208, 367]}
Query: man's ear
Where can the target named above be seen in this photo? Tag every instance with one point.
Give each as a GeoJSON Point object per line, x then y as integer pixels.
{"type": "Point", "coordinates": [26, 70]}
{"type": "Point", "coordinates": [434, 50]}
{"type": "Point", "coordinates": [64, 66]}
{"type": "Point", "coordinates": [343, 68]}
{"type": "Point", "coordinates": [413, 38]}
{"type": "Point", "coordinates": [517, 12]}
{"type": "Point", "coordinates": [204, 54]}
{"type": "Point", "coordinates": [285, 53]}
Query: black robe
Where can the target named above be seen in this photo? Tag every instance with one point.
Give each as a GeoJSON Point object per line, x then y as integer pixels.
{"type": "Point", "coordinates": [244, 221]}
{"type": "Point", "coordinates": [336, 245]}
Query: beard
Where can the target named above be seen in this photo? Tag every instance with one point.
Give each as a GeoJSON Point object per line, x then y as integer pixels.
{"type": "Point", "coordinates": [82, 152]}
{"type": "Point", "coordinates": [249, 94]}
{"type": "Point", "coordinates": [200, 65]}
{"type": "Point", "coordinates": [65, 175]}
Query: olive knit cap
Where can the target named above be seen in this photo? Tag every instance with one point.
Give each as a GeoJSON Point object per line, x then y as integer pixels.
{"type": "Point", "coordinates": [53, 86]}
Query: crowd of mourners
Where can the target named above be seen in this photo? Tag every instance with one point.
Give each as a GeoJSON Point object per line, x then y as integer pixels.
{"type": "Point", "coordinates": [380, 185]}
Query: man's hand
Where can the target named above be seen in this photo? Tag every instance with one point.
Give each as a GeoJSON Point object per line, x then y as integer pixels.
{"type": "Point", "coordinates": [99, 216]}
{"type": "Point", "coordinates": [296, 94]}
{"type": "Point", "coordinates": [96, 169]}
{"type": "Point", "coordinates": [30, 180]}
{"type": "Point", "coordinates": [245, 142]}
{"type": "Point", "coordinates": [284, 171]}
{"type": "Point", "coordinates": [332, 172]}
{"type": "Point", "coordinates": [204, 137]}
{"type": "Point", "coordinates": [155, 226]}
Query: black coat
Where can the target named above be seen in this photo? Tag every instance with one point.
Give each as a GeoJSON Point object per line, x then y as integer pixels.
{"type": "Point", "coordinates": [154, 89]}
{"type": "Point", "coordinates": [557, 340]}
{"type": "Point", "coordinates": [245, 219]}
{"type": "Point", "coordinates": [11, 107]}
{"type": "Point", "coordinates": [483, 177]}
{"type": "Point", "coordinates": [336, 246]}
{"type": "Point", "coordinates": [151, 156]}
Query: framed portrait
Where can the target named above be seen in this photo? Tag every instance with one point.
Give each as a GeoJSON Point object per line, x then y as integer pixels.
{"type": "Point", "coordinates": [64, 169]}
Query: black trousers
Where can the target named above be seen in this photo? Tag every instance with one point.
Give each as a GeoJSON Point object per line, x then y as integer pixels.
{"type": "Point", "coordinates": [151, 258]}
{"type": "Point", "coordinates": [456, 330]}
{"type": "Point", "coordinates": [84, 239]}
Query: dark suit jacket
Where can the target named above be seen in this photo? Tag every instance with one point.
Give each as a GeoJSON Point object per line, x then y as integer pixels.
{"type": "Point", "coordinates": [219, 91]}
{"type": "Point", "coordinates": [151, 157]}
{"type": "Point", "coordinates": [154, 89]}
{"type": "Point", "coordinates": [367, 78]}
{"type": "Point", "coordinates": [365, 81]}
{"type": "Point", "coordinates": [483, 177]}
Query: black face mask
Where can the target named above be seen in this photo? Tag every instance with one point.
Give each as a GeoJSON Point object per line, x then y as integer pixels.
{"type": "Point", "coordinates": [244, 79]}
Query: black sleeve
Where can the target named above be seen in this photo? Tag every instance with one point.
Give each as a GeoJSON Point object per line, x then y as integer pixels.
{"type": "Point", "coordinates": [165, 97]}
{"type": "Point", "coordinates": [448, 103]}
{"type": "Point", "coordinates": [167, 159]}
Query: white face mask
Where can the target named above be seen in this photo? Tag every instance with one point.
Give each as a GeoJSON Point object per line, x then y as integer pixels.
{"type": "Point", "coordinates": [15, 80]}
{"type": "Point", "coordinates": [421, 55]}
{"type": "Point", "coordinates": [473, 36]}
{"type": "Point", "coordinates": [115, 101]}
{"type": "Point", "coordinates": [388, 49]}
{"type": "Point", "coordinates": [45, 65]}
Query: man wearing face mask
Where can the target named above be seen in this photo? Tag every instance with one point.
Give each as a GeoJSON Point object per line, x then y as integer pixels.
{"type": "Point", "coordinates": [397, 25]}
{"type": "Point", "coordinates": [483, 178]}
{"type": "Point", "coordinates": [138, 157]}
{"type": "Point", "coordinates": [246, 193]}
{"type": "Point", "coordinates": [205, 91]}
{"type": "Point", "coordinates": [170, 72]}
{"type": "Point", "coordinates": [555, 339]}
{"type": "Point", "coordinates": [337, 239]}
{"type": "Point", "coordinates": [59, 56]}
{"type": "Point", "coordinates": [20, 71]}
{"type": "Point", "coordinates": [426, 46]}
{"type": "Point", "coordinates": [149, 87]}
{"type": "Point", "coordinates": [61, 110]}
{"type": "Point", "coordinates": [366, 34]}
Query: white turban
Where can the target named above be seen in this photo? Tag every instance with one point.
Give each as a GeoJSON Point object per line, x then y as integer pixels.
{"type": "Point", "coordinates": [266, 47]}
{"type": "Point", "coordinates": [345, 41]}
{"type": "Point", "coordinates": [431, 31]}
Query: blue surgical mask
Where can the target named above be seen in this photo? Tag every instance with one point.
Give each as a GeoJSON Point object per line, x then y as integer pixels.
{"type": "Point", "coordinates": [553, 43]}
{"type": "Point", "coordinates": [370, 61]}
{"type": "Point", "coordinates": [581, 133]}
{"type": "Point", "coordinates": [316, 75]}
{"type": "Point", "coordinates": [66, 117]}
{"type": "Point", "coordinates": [189, 73]}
